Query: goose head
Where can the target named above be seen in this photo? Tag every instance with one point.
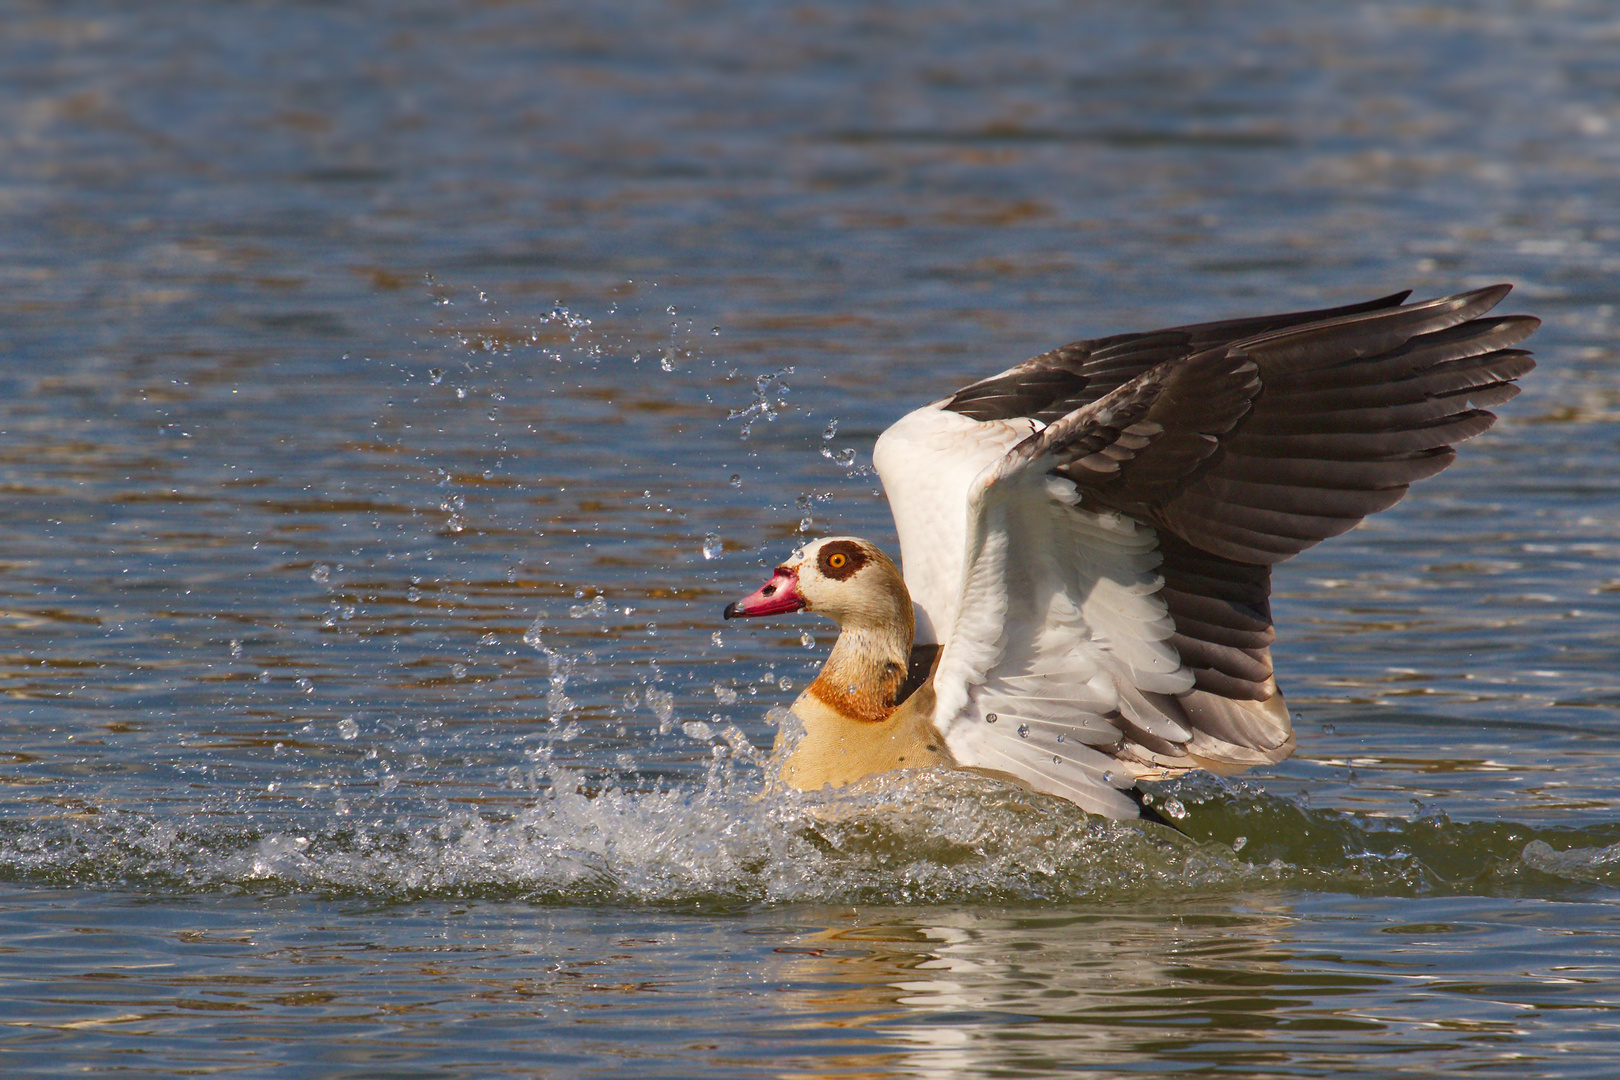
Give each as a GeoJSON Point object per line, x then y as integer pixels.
{"type": "Point", "coordinates": [845, 578]}
{"type": "Point", "coordinates": [851, 582]}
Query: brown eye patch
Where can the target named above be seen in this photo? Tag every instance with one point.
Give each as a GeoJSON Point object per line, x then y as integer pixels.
{"type": "Point", "coordinates": [841, 560]}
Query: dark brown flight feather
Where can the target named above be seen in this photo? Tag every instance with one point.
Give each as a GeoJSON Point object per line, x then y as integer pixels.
{"type": "Point", "coordinates": [1246, 441]}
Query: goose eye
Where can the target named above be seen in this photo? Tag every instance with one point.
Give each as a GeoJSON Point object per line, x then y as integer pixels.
{"type": "Point", "coordinates": [837, 561]}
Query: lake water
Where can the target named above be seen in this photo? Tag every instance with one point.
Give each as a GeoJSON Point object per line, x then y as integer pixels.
{"type": "Point", "coordinates": [392, 395]}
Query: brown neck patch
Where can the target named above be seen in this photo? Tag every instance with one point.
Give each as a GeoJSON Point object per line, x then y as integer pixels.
{"type": "Point", "coordinates": [871, 699]}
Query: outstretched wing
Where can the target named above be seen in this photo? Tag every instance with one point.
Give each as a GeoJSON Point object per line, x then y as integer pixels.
{"type": "Point", "coordinates": [1059, 645]}
{"type": "Point", "coordinates": [1351, 411]}
{"type": "Point", "coordinates": [928, 458]}
{"type": "Point", "coordinates": [1073, 525]}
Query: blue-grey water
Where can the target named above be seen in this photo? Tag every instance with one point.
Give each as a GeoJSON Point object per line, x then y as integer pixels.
{"type": "Point", "coordinates": [392, 394]}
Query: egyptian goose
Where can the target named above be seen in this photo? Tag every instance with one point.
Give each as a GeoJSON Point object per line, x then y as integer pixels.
{"type": "Point", "coordinates": [1088, 540]}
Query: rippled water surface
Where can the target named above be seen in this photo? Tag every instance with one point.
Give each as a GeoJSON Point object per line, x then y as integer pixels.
{"type": "Point", "coordinates": [391, 396]}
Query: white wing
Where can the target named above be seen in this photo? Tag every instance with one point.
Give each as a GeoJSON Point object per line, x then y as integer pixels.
{"type": "Point", "coordinates": [928, 461]}
{"type": "Point", "coordinates": [1055, 624]}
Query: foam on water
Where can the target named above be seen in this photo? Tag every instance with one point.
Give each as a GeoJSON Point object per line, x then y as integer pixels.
{"type": "Point", "coordinates": [911, 837]}
{"type": "Point", "coordinates": [1600, 865]}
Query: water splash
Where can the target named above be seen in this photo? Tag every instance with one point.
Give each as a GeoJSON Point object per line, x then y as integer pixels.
{"type": "Point", "coordinates": [918, 838]}
{"type": "Point", "coordinates": [762, 406]}
{"type": "Point", "coordinates": [1600, 865]}
{"type": "Point", "coordinates": [453, 504]}
{"type": "Point", "coordinates": [844, 459]}
{"type": "Point", "coordinates": [560, 667]}
{"type": "Point", "coordinates": [923, 837]}
{"type": "Point", "coordinates": [533, 636]}
{"type": "Point", "coordinates": [595, 608]}
{"type": "Point", "coordinates": [662, 704]}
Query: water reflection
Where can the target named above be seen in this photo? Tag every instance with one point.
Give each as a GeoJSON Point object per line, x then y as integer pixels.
{"type": "Point", "coordinates": [970, 994]}
{"type": "Point", "coordinates": [1325, 984]}
{"type": "Point", "coordinates": [1209, 986]}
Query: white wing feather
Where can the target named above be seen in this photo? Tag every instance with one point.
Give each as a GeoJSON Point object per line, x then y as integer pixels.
{"type": "Point", "coordinates": [1053, 610]}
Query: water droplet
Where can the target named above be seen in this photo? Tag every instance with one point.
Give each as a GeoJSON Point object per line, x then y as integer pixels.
{"type": "Point", "coordinates": [725, 694]}
{"type": "Point", "coordinates": [306, 685]}
{"type": "Point", "coordinates": [1147, 798]}
{"type": "Point", "coordinates": [597, 607]}
{"type": "Point", "coordinates": [736, 480]}
{"type": "Point", "coordinates": [1023, 731]}
{"type": "Point", "coordinates": [1056, 760]}
{"type": "Point", "coordinates": [461, 392]}
{"type": "Point", "coordinates": [990, 718]}
{"type": "Point", "coordinates": [671, 310]}
{"type": "Point", "coordinates": [697, 729]}
{"type": "Point", "coordinates": [1108, 778]}
{"type": "Point", "coordinates": [236, 647]}
{"type": "Point", "coordinates": [715, 331]}
{"type": "Point", "coordinates": [807, 640]}
{"type": "Point", "coordinates": [437, 375]}
{"type": "Point", "coordinates": [321, 574]}
{"type": "Point", "coordinates": [348, 729]}
{"type": "Point", "coordinates": [1173, 808]}
{"type": "Point", "coordinates": [413, 594]}
{"type": "Point", "coordinates": [1060, 737]}
{"type": "Point", "coordinates": [1328, 729]}
{"type": "Point", "coordinates": [712, 547]}
{"type": "Point", "coordinates": [531, 636]}
{"type": "Point", "coordinates": [458, 671]}
{"type": "Point", "coordinates": [716, 640]}
{"type": "Point", "coordinates": [785, 683]}
{"type": "Point", "coordinates": [662, 704]}
{"type": "Point", "coordinates": [830, 430]}
{"type": "Point", "coordinates": [1237, 845]}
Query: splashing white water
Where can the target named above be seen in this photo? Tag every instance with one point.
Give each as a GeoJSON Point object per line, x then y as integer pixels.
{"type": "Point", "coordinates": [906, 837]}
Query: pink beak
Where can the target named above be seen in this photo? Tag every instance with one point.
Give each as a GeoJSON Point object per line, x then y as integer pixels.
{"type": "Point", "coordinates": [777, 595]}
